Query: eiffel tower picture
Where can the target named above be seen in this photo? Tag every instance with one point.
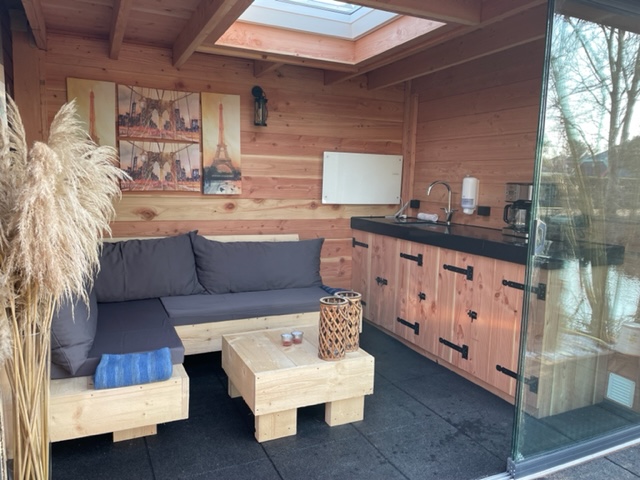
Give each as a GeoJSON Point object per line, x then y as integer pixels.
{"type": "Point", "coordinates": [222, 175]}
{"type": "Point", "coordinates": [222, 160]}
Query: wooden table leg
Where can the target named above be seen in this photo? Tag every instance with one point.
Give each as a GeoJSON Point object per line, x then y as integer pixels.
{"type": "Point", "coordinates": [276, 425]}
{"type": "Point", "coordinates": [344, 411]}
{"type": "Point", "coordinates": [232, 390]}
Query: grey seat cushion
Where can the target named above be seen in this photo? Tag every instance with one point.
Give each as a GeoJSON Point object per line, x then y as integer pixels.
{"type": "Point", "coordinates": [129, 327]}
{"type": "Point", "coordinates": [194, 309]}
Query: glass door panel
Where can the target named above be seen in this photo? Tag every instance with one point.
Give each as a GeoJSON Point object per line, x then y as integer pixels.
{"type": "Point", "coordinates": [580, 360]}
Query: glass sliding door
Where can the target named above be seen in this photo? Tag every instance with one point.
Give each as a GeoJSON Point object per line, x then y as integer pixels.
{"type": "Point", "coordinates": [580, 357]}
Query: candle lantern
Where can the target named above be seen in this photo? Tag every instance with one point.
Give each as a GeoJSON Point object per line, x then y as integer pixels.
{"type": "Point", "coordinates": [260, 111]}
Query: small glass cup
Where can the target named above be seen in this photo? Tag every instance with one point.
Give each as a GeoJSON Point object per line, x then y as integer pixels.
{"type": "Point", "coordinates": [297, 336]}
{"type": "Point", "coordinates": [287, 339]}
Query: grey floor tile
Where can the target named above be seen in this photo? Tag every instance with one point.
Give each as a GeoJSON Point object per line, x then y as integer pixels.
{"type": "Point", "coordinates": [599, 469]}
{"type": "Point", "coordinates": [258, 470]}
{"type": "Point", "coordinates": [344, 459]}
{"type": "Point", "coordinates": [436, 450]}
{"type": "Point", "coordinates": [98, 458]}
{"type": "Point", "coordinates": [628, 458]}
{"type": "Point", "coordinates": [192, 447]}
{"type": "Point", "coordinates": [389, 407]}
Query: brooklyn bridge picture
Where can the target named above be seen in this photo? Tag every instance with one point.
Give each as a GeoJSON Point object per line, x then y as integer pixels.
{"type": "Point", "coordinates": [159, 137]}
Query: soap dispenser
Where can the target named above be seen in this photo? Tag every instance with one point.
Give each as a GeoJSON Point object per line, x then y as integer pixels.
{"type": "Point", "coordinates": [469, 194]}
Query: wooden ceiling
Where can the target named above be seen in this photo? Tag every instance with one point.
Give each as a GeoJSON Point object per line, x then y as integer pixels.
{"type": "Point", "coordinates": [405, 48]}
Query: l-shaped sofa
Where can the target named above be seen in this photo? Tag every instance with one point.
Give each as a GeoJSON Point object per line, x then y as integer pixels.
{"type": "Point", "coordinates": [182, 292]}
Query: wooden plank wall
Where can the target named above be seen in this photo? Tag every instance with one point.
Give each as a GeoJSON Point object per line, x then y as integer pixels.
{"type": "Point", "coordinates": [281, 163]}
{"type": "Point", "coordinates": [479, 118]}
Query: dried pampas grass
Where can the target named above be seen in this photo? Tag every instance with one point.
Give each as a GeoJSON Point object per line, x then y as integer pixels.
{"type": "Point", "coordinates": [56, 205]}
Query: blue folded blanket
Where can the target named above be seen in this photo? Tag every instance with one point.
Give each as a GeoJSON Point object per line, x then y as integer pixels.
{"type": "Point", "coordinates": [133, 368]}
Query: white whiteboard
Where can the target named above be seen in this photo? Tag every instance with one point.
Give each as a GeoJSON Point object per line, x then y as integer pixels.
{"type": "Point", "coordinates": [361, 178]}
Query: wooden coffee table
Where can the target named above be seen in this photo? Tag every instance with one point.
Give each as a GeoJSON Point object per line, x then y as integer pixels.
{"type": "Point", "coordinates": [275, 380]}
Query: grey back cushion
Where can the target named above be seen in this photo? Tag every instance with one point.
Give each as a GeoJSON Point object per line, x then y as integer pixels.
{"type": "Point", "coordinates": [141, 269]}
{"type": "Point", "coordinates": [229, 267]}
{"type": "Point", "coordinates": [73, 329]}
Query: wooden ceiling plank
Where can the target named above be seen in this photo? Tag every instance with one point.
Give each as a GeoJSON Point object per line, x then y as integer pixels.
{"type": "Point", "coordinates": [518, 30]}
{"type": "Point", "coordinates": [121, 9]}
{"type": "Point", "coordinates": [464, 12]}
{"type": "Point", "coordinates": [261, 68]}
{"type": "Point", "coordinates": [211, 18]}
{"type": "Point", "coordinates": [35, 17]}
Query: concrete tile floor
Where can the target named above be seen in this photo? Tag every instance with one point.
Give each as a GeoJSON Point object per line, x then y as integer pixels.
{"type": "Point", "coordinates": [422, 422]}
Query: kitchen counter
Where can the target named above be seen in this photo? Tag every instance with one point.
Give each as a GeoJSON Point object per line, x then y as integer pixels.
{"type": "Point", "coordinates": [487, 242]}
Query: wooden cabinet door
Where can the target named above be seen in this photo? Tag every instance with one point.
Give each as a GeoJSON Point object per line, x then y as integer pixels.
{"type": "Point", "coordinates": [445, 305]}
{"type": "Point", "coordinates": [506, 318]}
{"type": "Point", "coordinates": [417, 293]}
{"type": "Point", "coordinates": [383, 280]}
{"type": "Point", "coordinates": [361, 268]}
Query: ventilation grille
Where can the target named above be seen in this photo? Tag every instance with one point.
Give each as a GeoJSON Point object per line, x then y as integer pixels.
{"type": "Point", "coordinates": [621, 390]}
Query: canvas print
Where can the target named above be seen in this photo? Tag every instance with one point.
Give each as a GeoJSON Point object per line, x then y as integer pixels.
{"type": "Point", "coordinates": [153, 113]}
{"type": "Point", "coordinates": [154, 165]}
{"type": "Point", "coordinates": [96, 106]}
{"type": "Point", "coordinates": [221, 144]}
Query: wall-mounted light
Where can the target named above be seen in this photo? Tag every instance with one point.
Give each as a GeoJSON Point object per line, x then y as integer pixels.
{"type": "Point", "coordinates": [260, 111]}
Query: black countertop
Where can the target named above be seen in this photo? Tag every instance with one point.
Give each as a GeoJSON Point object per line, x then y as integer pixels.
{"type": "Point", "coordinates": [487, 242]}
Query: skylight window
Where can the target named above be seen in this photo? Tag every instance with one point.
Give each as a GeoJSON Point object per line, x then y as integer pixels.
{"type": "Point", "coordinates": [330, 5]}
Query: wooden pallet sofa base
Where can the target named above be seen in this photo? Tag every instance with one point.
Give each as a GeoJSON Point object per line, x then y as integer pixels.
{"type": "Point", "coordinates": [207, 337]}
{"type": "Point", "coordinates": [77, 409]}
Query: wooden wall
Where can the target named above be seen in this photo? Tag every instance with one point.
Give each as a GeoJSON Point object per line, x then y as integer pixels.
{"type": "Point", "coordinates": [281, 163]}
{"type": "Point", "coordinates": [479, 118]}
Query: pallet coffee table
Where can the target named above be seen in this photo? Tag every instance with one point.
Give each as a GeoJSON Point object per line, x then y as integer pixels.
{"type": "Point", "coordinates": [275, 380]}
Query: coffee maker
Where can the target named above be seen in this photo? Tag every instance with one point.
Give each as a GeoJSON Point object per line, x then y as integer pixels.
{"type": "Point", "coordinates": [517, 213]}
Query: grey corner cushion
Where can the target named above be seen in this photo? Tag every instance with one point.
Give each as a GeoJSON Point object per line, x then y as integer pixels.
{"type": "Point", "coordinates": [140, 269]}
{"type": "Point", "coordinates": [229, 267]}
{"type": "Point", "coordinates": [73, 329]}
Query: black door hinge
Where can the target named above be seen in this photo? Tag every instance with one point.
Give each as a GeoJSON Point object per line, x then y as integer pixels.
{"type": "Point", "coordinates": [355, 243]}
{"type": "Point", "coordinates": [413, 326]}
{"type": "Point", "coordinates": [531, 382]}
{"type": "Point", "coordinates": [465, 271]}
{"type": "Point", "coordinates": [415, 258]}
{"type": "Point", "coordinates": [540, 291]}
{"type": "Point", "coordinates": [464, 349]}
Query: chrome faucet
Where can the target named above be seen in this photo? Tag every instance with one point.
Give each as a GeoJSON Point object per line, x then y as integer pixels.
{"type": "Point", "coordinates": [448, 212]}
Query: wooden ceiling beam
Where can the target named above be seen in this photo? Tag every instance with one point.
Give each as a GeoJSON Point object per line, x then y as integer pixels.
{"type": "Point", "coordinates": [464, 12]}
{"type": "Point", "coordinates": [211, 18]}
{"type": "Point", "coordinates": [276, 58]}
{"type": "Point", "coordinates": [35, 17]}
{"type": "Point", "coordinates": [121, 9]}
{"type": "Point", "coordinates": [511, 32]}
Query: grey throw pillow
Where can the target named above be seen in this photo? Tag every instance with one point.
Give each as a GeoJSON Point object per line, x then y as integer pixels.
{"type": "Point", "coordinates": [73, 329]}
{"type": "Point", "coordinates": [228, 267]}
{"type": "Point", "coordinates": [140, 269]}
